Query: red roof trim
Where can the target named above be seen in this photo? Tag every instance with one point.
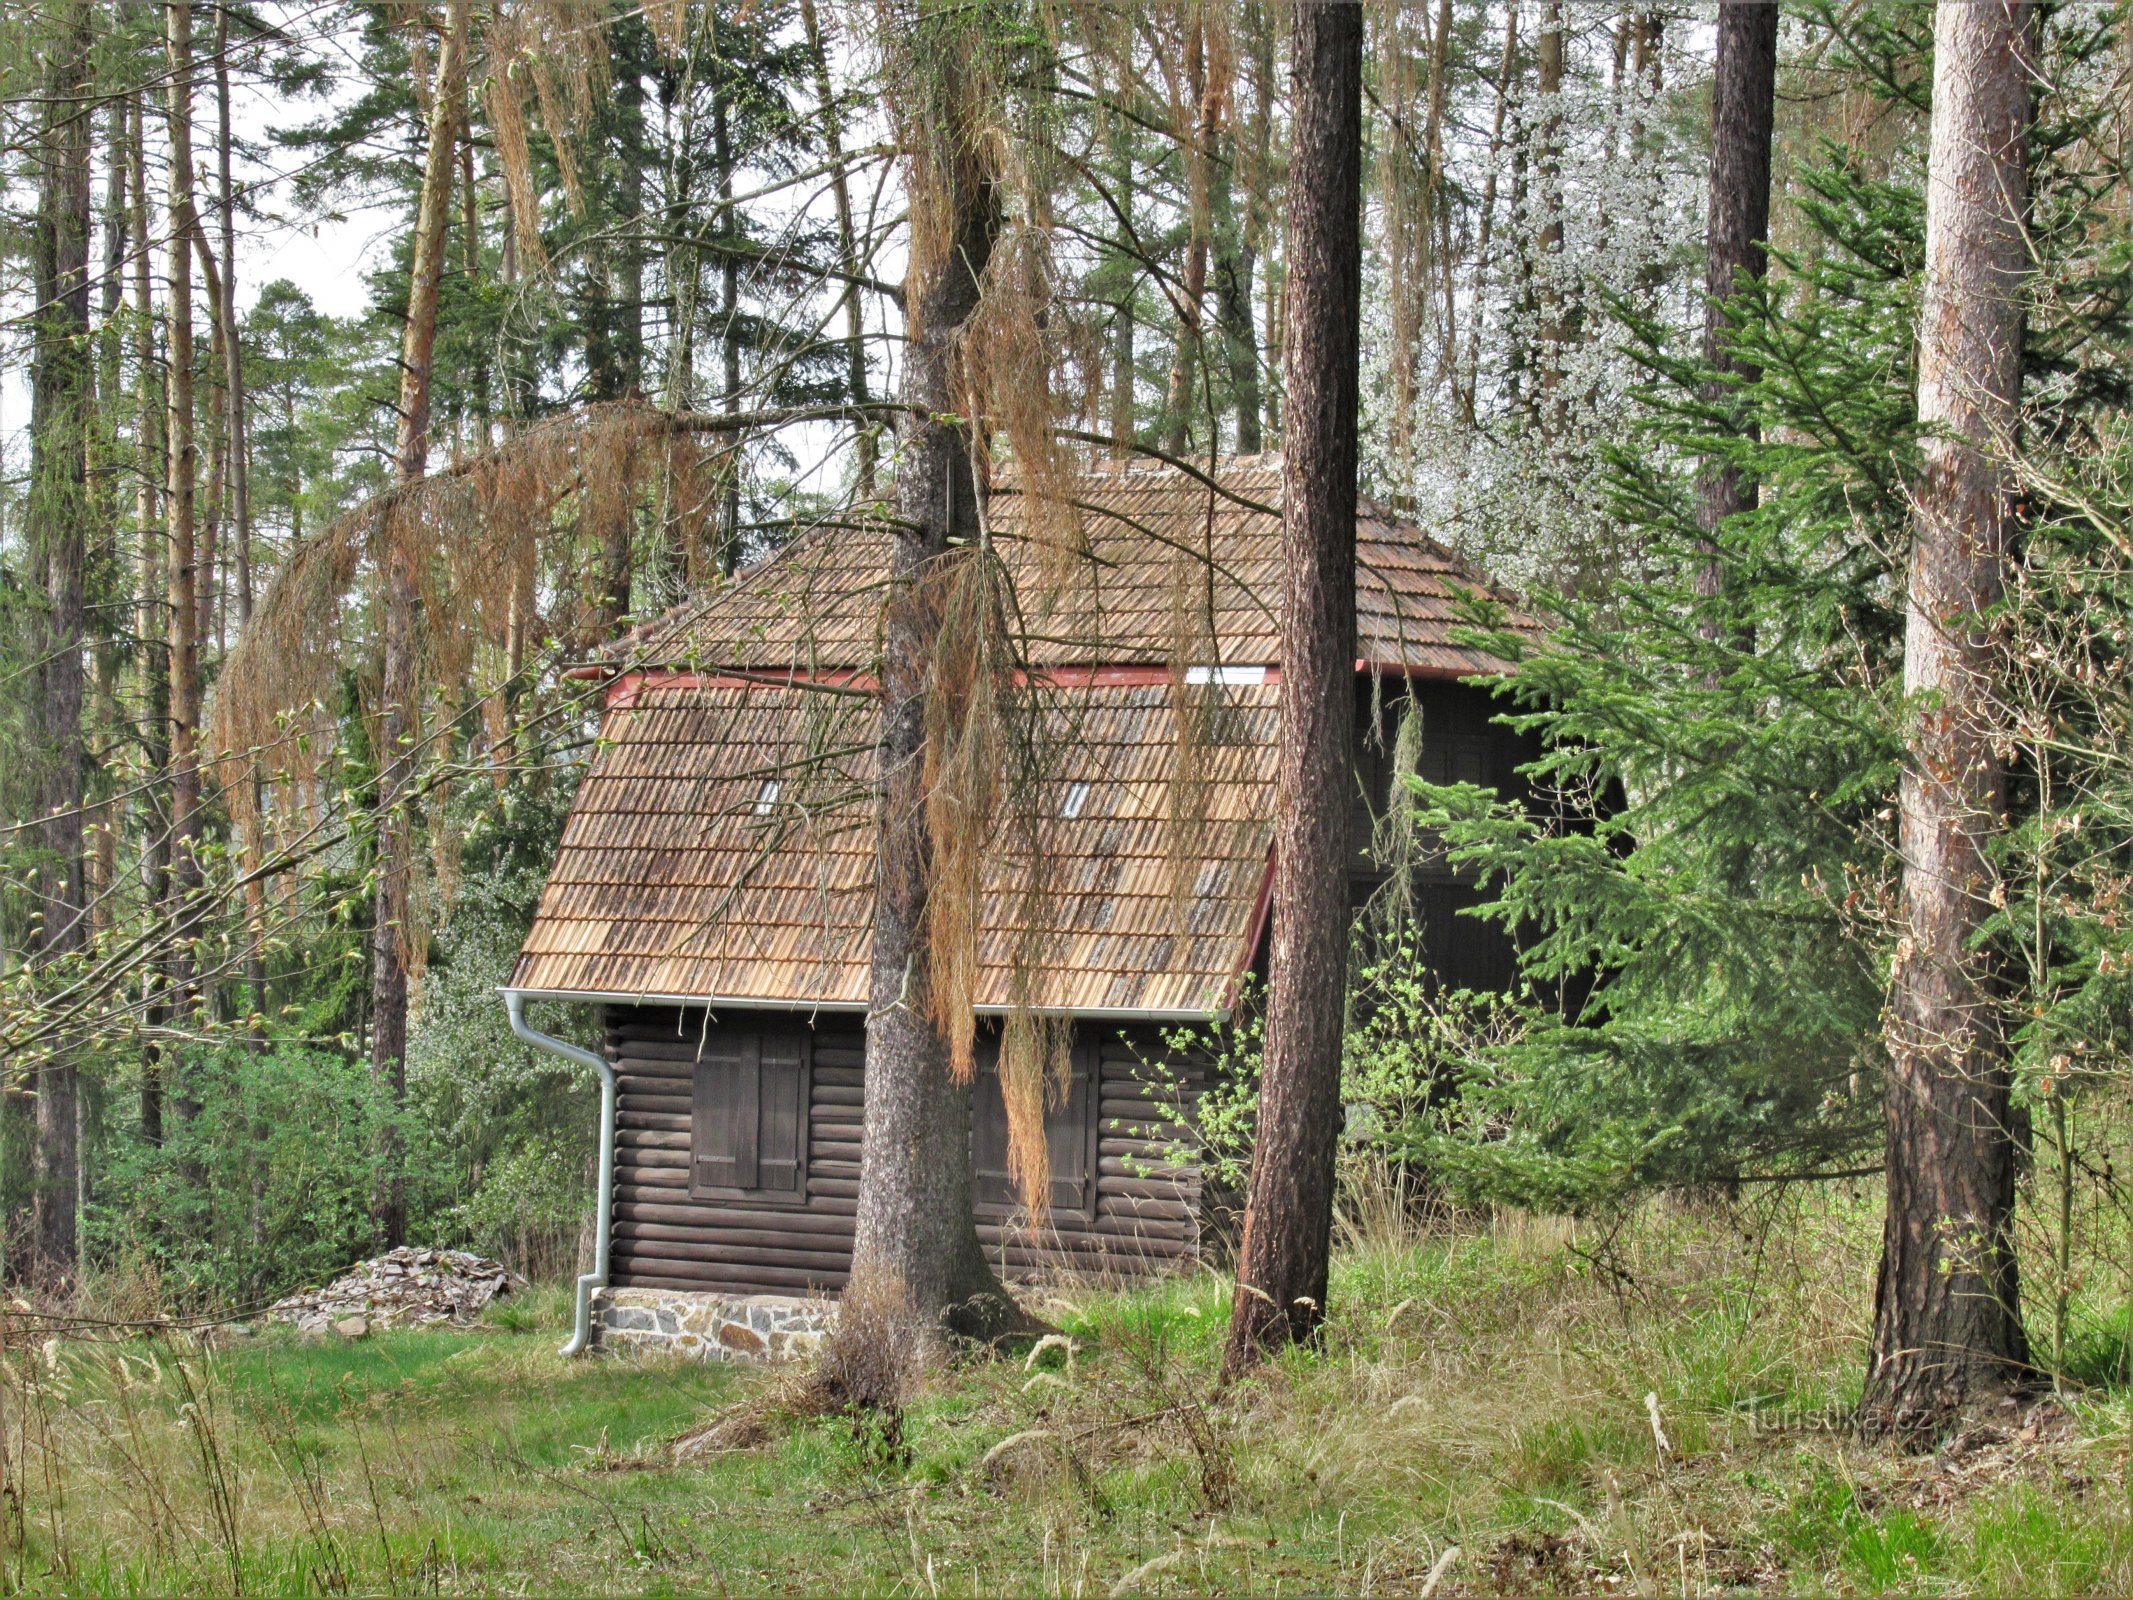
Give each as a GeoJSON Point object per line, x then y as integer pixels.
{"type": "Point", "coordinates": [1400, 669]}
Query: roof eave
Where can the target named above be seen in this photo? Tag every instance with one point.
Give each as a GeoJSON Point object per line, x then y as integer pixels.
{"type": "Point", "coordinates": [714, 1002]}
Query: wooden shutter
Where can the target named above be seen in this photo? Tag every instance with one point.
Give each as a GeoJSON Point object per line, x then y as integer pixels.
{"type": "Point", "coordinates": [992, 1183]}
{"type": "Point", "coordinates": [1069, 1128]}
{"type": "Point", "coordinates": [726, 1110]}
{"type": "Point", "coordinates": [781, 1130]}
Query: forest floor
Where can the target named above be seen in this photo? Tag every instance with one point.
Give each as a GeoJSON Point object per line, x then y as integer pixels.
{"type": "Point", "coordinates": [1515, 1409]}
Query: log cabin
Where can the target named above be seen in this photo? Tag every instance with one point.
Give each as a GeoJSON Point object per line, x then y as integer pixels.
{"type": "Point", "coordinates": [712, 892]}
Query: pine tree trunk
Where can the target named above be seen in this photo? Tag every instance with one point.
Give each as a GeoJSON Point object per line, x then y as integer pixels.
{"type": "Point", "coordinates": [1186, 361]}
{"type": "Point", "coordinates": [182, 613]}
{"type": "Point", "coordinates": [1125, 366]}
{"type": "Point", "coordinates": [215, 495]}
{"type": "Point", "coordinates": [1441, 207]}
{"type": "Point", "coordinates": [1554, 333]}
{"type": "Point", "coordinates": [239, 477]}
{"type": "Point", "coordinates": [1947, 1331]}
{"type": "Point", "coordinates": [1238, 233]}
{"type": "Point", "coordinates": [1288, 1218]}
{"type": "Point", "coordinates": [399, 712]}
{"type": "Point", "coordinates": [729, 311]}
{"type": "Point", "coordinates": [916, 1242]}
{"type": "Point", "coordinates": [57, 517]}
{"type": "Point", "coordinates": [1259, 215]}
{"type": "Point", "coordinates": [867, 441]}
{"type": "Point", "coordinates": [151, 654]}
{"type": "Point", "coordinates": [1743, 102]}
{"type": "Point", "coordinates": [1485, 227]}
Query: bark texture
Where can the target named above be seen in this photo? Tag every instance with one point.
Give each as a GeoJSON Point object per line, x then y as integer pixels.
{"type": "Point", "coordinates": [182, 610]}
{"type": "Point", "coordinates": [866, 443]}
{"type": "Point", "coordinates": [1947, 1335]}
{"type": "Point", "coordinates": [151, 655]}
{"type": "Point", "coordinates": [399, 712]}
{"type": "Point", "coordinates": [62, 400]}
{"type": "Point", "coordinates": [1202, 105]}
{"type": "Point", "coordinates": [916, 1242]}
{"type": "Point", "coordinates": [1743, 102]}
{"type": "Point", "coordinates": [1288, 1219]}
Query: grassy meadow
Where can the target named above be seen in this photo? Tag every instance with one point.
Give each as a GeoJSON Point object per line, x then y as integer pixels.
{"type": "Point", "coordinates": [1478, 1422]}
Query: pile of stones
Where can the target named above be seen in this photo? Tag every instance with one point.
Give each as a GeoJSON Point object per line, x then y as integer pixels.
{"type": "Point", "coordinates": [405, 1288]}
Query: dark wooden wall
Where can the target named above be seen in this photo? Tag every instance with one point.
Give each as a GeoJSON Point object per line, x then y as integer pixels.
{"type": "Point", "coordinates": [1461, 743]}
{"type": "Point", "coordinates": [1147, 1218]}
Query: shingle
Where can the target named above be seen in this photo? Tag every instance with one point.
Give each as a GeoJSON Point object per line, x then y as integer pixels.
{"type": "Point", "coordinates": [671, 881]}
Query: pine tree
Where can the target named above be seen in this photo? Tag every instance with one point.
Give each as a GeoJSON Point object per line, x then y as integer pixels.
{"type": "Point", "coordinates": [1288, 1218]}
{"type": "Point", "coordinates": [57, 515]}
{"type": "Point", "coordinates": [400, 730]}
{"type": "Point", "coordinates": [1947, 1325]}
{"type": "Point", "coordinates": [916, 1245]}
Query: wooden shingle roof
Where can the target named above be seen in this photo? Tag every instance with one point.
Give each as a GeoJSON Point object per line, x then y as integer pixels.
{"type": "Point", "coordinates": [721, 846]}
{"type": "Point", "coordinates": [1171, 561]}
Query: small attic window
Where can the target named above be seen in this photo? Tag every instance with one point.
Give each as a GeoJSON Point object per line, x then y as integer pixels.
{"type": "Point", "coordinates": [766, 797]}
{"type": "Point", "coordinates": [1077, 796]}
{"type": "Point", "coordinates": [1225, 674]}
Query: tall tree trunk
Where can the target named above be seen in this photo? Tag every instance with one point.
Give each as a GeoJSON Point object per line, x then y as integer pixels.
{"type": "Point", "coordinates": [1125, 372]}
{"type": "Point", "coordinates": [1259, 212]}
{"type": "Point", "coordinates": [1203, 93]}
{"type": "Point", "coordinates": [1548, 409]}
{"type": "Point", "coordinates": [729, 314]}
{"type": "Point", "coordinates": [182, 613]}
{"type": "Point", "coordinates": [237, 481]}
{"type": "Point", "coordinates": [107, 470]}
{"type": "Point", "coordinates": [470, 242]}
{"type": "Point", "coordinates": [1288, 1218]}
{"type": "Point", "coordinates": [1234, 268]}
{"type": "Point", "coordinates": [1240, 227]}
{"type": "Point", "coordinates": [916, 1240]}
{"type": "Point", "coordinates": [619, 540]}
{"type": "Point", "coordinates": [57, 516]}
{"type": "Point", "coordinates": [215, 496]}
{"type": "Point", "coordinates": [150, 650]}
{"type": "Point", "coordinates": [1743, 101]}
{"type": "Point", "coordinates": [1485, 228]}
{"type": "Point", "coordinates": [867, 442]}
{"type": "Point", "coordinates": [1947, 1331]}
{"type": "Point", "coordinates": [1406, 233]}
{"type": "Point", "coordinates": [1440, 64]}
{"type": "Point", "coordinates": [234, 443]}
{"type": "Point", "coordinates": [399, 711]}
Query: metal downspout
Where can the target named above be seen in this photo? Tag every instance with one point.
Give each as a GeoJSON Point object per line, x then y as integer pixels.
{"type": "Point", "coordinates": [515, 1004]}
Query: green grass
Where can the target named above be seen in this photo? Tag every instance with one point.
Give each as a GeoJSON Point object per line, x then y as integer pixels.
{"type": "Point", "coordinates": [1484, 1390]}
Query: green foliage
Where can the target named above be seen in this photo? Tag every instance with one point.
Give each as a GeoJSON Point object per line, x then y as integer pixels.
{"type": "Point", "coordinates": [1704, 893]}
{"type": "Point", "coordinates": [1406, 1042]}
{"type": "Point", "coordinates": [264, 1179]}
{"type": "Point", "coordinates": [1893, 1553]}
{"type": "Point", "coordinates": [1703, 995]}
{"type": "Point", "coordinates": [519, 1123]}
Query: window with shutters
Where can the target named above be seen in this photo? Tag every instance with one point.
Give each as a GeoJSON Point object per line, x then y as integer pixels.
{"type": "Point", "coordinates": [1070, 1131]}
{"type": "Point", "coordinates": [748, 1116]}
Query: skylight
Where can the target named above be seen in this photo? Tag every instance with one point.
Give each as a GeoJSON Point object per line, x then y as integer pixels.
{"type": "Point", "coordinates": [767, 797]}
{"type": "Point", "coordinates": [1077, 796]}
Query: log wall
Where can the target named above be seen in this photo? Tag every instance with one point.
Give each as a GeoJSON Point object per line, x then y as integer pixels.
{"type": "Point", "coordinates": [1149, 1218]}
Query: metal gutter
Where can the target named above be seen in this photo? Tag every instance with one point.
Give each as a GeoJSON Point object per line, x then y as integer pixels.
{"type": "Point", "coordinates": [604, 1195]}
{"type": "Point", "coordinates": [718, 1002]}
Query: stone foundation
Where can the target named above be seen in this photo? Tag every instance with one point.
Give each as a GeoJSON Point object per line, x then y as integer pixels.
{"type": "Point", "coordinates": [709, 1326]}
